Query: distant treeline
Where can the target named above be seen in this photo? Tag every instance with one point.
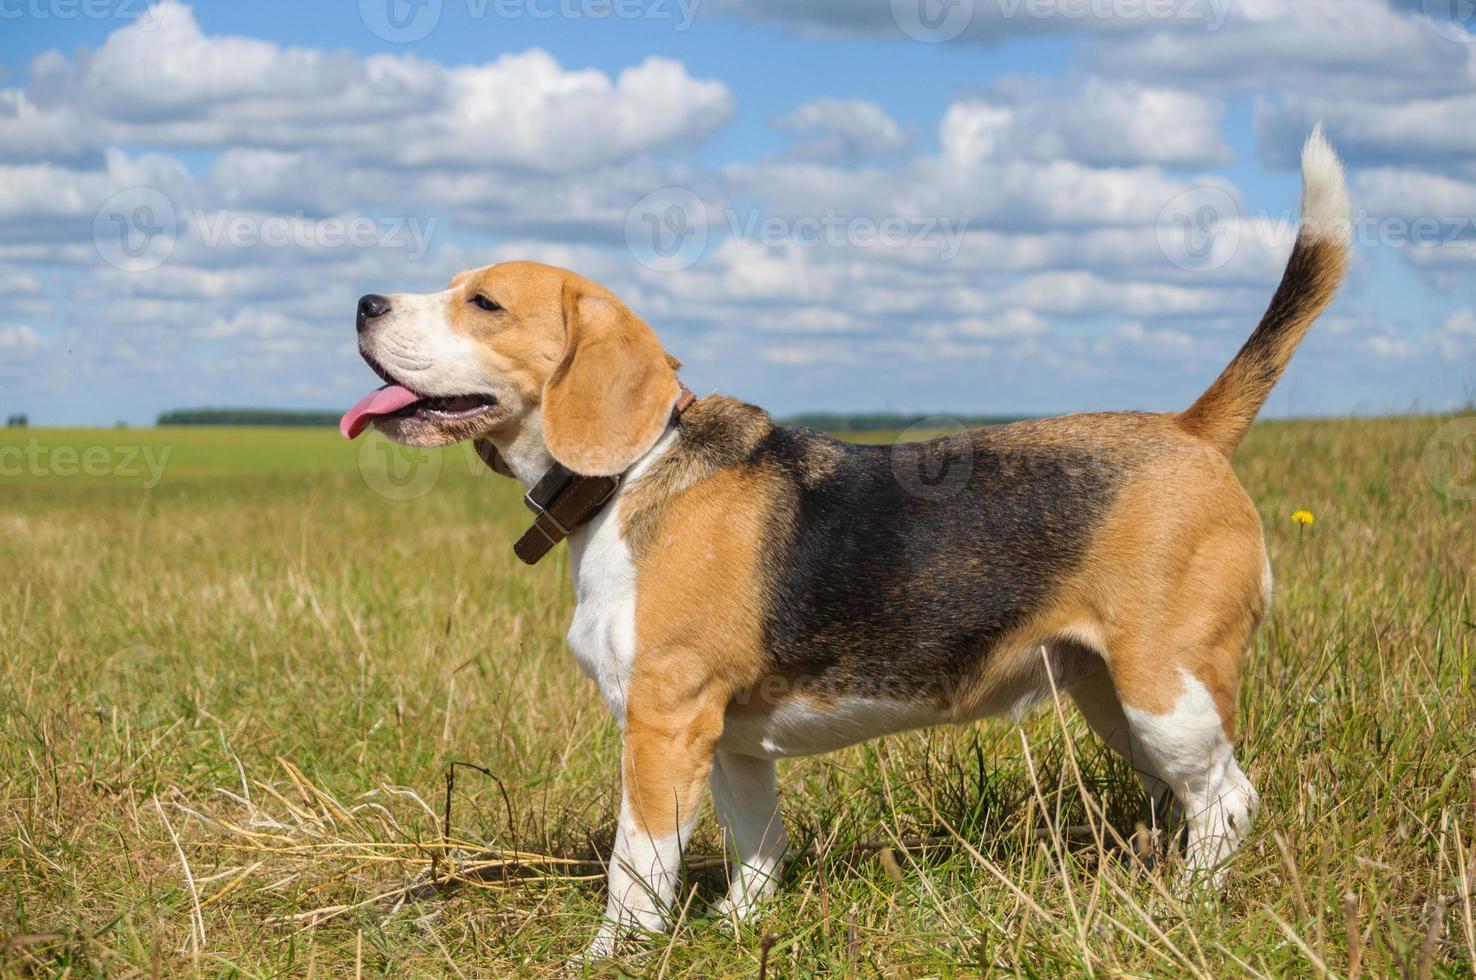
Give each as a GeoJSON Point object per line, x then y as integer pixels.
{"type": "Point", "coordinates": [878, 422]}
{"type": "Point", "coordinates": [887, 422]}
{"type": "Point", "coordinates": [247, 416]}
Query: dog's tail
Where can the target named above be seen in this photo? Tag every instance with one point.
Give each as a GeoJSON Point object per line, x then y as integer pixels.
{"type": "Point", "coordinates": [1223, 414]}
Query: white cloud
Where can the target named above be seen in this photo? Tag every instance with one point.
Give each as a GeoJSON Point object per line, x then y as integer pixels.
{"type": "Point", "coordinates": [1369, 130]}
{"type": "Point", "coordinates": [1307, 46]}
{"type": "Point", "coordinates": [1097, 122]}
{"type": "Point", "coordinates": [1390, 345]}
{"type": "Point", "coordinates": [971, 181]}
{"type": "Point", "coordinates": [162, 81]}
{"type": "Point", "coordinates": [831, 129]}
{"type": "Point", "coordinates": [19, 337]}
{"type": "Point", "coordinates": [18, 282]}
{"type": "Point", "coordinates": [811, 320]}
{"type": "Point", "coordinates": [1088, 293]}
{"type": "Point", "coordinates": [801, 354]}
{"type": "Point", "coordinates": [981, 21]}
{"type": "Point", "coordinates": [1415, 194]}
{"type": "Point", "coordinates": [1456, 337]}
{"type": "Point", "coordinates": [45, 190]}
{"type": "Point", "coordinates": [1010, 323]}
{"type": "Point", "coordinates": [1450, 342]}
{"type": "Point", "coordinates": [1146, 341]}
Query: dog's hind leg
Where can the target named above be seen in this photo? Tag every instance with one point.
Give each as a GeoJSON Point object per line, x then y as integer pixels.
{"type": "Point", "coordinates": [1179, 592]}
{"type": "Point", "coordinates": [1183, 726]}
{"type": "Point", "coordinates": [745, 795]}
{"type": "Point", "coordinates": [1096, 698]}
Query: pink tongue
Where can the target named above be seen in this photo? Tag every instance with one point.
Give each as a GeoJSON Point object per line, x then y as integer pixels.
{"type": "Point", "coordinates": [381, 401]}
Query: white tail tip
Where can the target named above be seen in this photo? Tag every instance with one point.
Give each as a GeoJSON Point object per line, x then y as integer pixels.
{"type": "Point", "coordinates": [1326, 213]}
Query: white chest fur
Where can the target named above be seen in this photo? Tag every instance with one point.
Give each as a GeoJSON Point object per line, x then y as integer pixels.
{"type": "Point", "coordinates": [602, 635]}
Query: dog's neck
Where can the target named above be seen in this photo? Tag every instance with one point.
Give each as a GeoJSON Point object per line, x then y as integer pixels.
{"type": "Point", "coordinates": [523, 451]}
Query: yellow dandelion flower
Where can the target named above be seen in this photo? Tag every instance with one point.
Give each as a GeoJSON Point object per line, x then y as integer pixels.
{"type": "Point", "coordinates": [1303, 517]}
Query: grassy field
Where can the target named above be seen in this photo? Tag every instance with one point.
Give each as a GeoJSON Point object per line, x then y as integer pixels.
{"type": "Point", "coordinates": [236, 664]}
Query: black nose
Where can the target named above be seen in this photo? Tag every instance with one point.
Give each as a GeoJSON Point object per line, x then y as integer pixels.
{"type": "Point", "coordinates": [371, 307]}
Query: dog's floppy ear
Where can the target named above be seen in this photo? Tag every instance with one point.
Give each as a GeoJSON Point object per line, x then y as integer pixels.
{"type": "Point", "coordinates": [609, 398]}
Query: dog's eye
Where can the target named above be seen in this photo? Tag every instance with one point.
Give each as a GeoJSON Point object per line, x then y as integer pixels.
{"type": "Point", "coordinates": [485, 303]}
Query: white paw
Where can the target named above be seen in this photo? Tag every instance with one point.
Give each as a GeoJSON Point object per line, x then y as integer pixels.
{"type": "Point", "coordinates": [727, 908]}
{"type": "Point", "coordinates": [605, 945]}
{"type": "Point", "coordinates": [742, 903]}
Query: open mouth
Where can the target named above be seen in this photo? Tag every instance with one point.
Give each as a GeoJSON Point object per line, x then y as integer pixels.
{"type": "Point", "coordinates": [396, 401]}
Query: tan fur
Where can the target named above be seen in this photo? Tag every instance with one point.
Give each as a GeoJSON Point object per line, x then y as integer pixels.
{"type": "Point", "coordinates": [1176, 580]}
{"type": "Point", "coordinates": [671, 732]}
{"type": "Point", "coordinates": [698, 584]}
{"type": "Point", "coordinates": [698, 638]}
{"type": "Point", "coordinates": [611, 395]}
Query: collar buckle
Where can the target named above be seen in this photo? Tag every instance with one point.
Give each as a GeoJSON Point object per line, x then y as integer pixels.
{"type": "Point", "coordinates": [545, 513]}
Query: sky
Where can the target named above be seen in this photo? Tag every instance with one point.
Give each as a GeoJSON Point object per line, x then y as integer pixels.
{"type": "Point", "coordinates": [924, 206]}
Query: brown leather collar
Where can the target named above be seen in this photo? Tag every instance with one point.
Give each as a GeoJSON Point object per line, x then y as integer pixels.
{"type": "Point", "coordinates": [564, 500]}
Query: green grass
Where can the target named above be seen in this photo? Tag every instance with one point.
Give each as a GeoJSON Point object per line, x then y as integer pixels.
{"type": "Point", "coordinates": [279, 619]}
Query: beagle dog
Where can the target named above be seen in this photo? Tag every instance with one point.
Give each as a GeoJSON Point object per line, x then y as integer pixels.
{"type": "Point", "coordinates": [748, 592]}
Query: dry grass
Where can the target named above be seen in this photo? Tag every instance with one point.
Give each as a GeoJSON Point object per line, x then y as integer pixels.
{"type": "Point", "coordinates": [228, 704]}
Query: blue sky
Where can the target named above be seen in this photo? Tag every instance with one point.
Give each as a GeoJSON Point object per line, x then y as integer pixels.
{"type": "Point", "coordinates": [959, 206]}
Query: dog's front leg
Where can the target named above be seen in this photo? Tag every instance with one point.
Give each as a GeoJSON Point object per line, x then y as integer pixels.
{"type": "Point", "coordinates": [672, 727]}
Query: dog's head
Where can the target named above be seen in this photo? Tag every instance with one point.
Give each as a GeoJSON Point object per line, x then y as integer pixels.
{"type": "Point", "coordinates": [517, 354]}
